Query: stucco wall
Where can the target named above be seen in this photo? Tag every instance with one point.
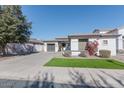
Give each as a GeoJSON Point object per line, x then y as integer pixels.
{"type": "Point", "coordinates": [121, 31]}
{"type": "Point", "coordinates": [120, 39]}
{"type": "Point", "coordinates": [45, 47]}
{"type": "Point", "coordinates": [74, 47]}
{"type": "Point", "coordinates": [38, 47]}
{"type": "Point", "coordinates": [110, 46]}
{"type": "Point", "coordinates": [74, 44]}
{"type": "Point", "coordinates": [56, 47]}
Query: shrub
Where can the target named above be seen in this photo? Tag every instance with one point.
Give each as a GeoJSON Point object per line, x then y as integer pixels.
{"type": "Point", "coordinates": [83, 54]}
{"type": "Point", "coordinates": [92, 47]}
{"type": "Point", "coordinates": [120, 51]}
{"type": "Point", "coordinates": [66, 53]}
{"type": "Point", "coordinates": [105, 53]}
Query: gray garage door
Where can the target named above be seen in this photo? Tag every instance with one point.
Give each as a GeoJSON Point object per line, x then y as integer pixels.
{"type": "Point", "coordinates": [51, 47]}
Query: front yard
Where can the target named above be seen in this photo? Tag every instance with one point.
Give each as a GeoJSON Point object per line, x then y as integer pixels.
{"type": "Point", "coordinates": [85, 63]}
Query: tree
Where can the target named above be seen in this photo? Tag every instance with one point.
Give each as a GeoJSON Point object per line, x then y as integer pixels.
{"type": "Point", "coordinates": [92, 47]}
{"type": "Point", "coordinates": [14, 27]}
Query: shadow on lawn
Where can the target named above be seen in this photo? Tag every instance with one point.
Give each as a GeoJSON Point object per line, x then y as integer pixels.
{"type": "Point", "coordinates": [111, 61]}
{"type": "Point", "coordinates": [77, 80]}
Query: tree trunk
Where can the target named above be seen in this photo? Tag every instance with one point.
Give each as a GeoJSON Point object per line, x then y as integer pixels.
{"type": "Point", "coordinates": [4, 50]}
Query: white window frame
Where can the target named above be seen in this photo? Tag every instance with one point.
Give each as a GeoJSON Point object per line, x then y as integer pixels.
{"type": "Point", "coordinates": [105, 42]}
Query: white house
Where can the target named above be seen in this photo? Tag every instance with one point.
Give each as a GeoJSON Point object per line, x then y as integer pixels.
{"type": "Point", "coordinates": [112, 40]}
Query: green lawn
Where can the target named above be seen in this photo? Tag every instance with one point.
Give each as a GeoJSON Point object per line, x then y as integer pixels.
{"type": "Point", "coordinates": [86, 63]}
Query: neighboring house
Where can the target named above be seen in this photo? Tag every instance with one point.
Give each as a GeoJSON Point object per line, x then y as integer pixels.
{"type": "Point", "coordinates": [38, 45]}
{"type": "Point", "coordinates": [33, 45]}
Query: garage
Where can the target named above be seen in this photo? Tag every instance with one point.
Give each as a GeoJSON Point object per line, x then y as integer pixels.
{"type": "Point", "coordinates": [51, 47]}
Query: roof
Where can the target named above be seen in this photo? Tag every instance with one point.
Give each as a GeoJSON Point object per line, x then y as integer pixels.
{"type": "Point", "coordinates": [108, 30]}
{"type": "Point", "coordinates": [36, 41]}
{"type": "Point", "coordinates": [93, 35]}
{"type": "Point", "coordinates": [102, 30]}
{"type": "Point", "coordinates": [62, 39]}
{"type": "Point", "coordinates": [50, 41]}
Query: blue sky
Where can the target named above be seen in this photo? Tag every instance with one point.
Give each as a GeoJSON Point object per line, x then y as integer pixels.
{"type": "Point", "coordinates": [49, 22]}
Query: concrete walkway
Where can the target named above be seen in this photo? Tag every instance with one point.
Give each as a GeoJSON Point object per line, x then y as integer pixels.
{"type": "Point", "coordinates": [28, 71]}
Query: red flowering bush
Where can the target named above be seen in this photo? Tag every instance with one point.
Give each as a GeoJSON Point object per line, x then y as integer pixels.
{"type": "Point", "coordinates": [92, 47]}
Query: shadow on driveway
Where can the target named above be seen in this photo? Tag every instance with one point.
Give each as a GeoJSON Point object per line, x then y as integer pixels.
{"type": "Point", "coordinates": [77, 80]}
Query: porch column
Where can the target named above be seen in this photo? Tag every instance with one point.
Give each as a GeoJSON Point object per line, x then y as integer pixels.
{"type": "Point", "coordinates": [45, 47]}
{"type": "Point", "coordinates": [56, 47]}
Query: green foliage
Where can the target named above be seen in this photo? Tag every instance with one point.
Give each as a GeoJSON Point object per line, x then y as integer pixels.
{"type": "Point", "coordinates": [14, 27]}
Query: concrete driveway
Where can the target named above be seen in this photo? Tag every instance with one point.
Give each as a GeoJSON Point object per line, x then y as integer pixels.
{"type": "Point", "coordinates": [24, 66]}
{"type": "Point", "coordinates": [28, 71]}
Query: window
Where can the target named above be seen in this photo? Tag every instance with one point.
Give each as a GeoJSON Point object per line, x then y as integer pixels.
{"type": "Point", "coordinates": [105, 42]}
{"type": "Point", "coordinates": [82, 44]}
{"type": "Point", "coordinates": [83, 40]}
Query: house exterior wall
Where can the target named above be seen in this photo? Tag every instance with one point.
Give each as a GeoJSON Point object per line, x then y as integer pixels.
{"type": "Point", "coordinates": [110, 46]}
{"type": "Point", "coordinates": [45, 47]}
{"type": "Point", "coordinates": [120, 39]}
{"type": "Point", "coordinates": [74, 44]}
{"type": "Point", "coordinates": [56, 47]}
{"type": "Point", "coordinates": [121, 31]}
{"type": "Point", "coordinates": [38, 47]}
{"type": "Point", "coordinates": [103, 32]}
{"type": "Point", "coordinates": [119, 43]}
{"type": "Point", "coordinates": [74, 47]}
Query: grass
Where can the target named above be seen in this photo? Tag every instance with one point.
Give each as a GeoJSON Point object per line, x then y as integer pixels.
{"type": "Point", "coordinates": [85, 63]}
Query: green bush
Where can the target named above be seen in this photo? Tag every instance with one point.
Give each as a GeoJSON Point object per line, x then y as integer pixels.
{"type": "Point", "coordinates": [120, 51]}
{"type": "Point", "coordinates": [105, 53]}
